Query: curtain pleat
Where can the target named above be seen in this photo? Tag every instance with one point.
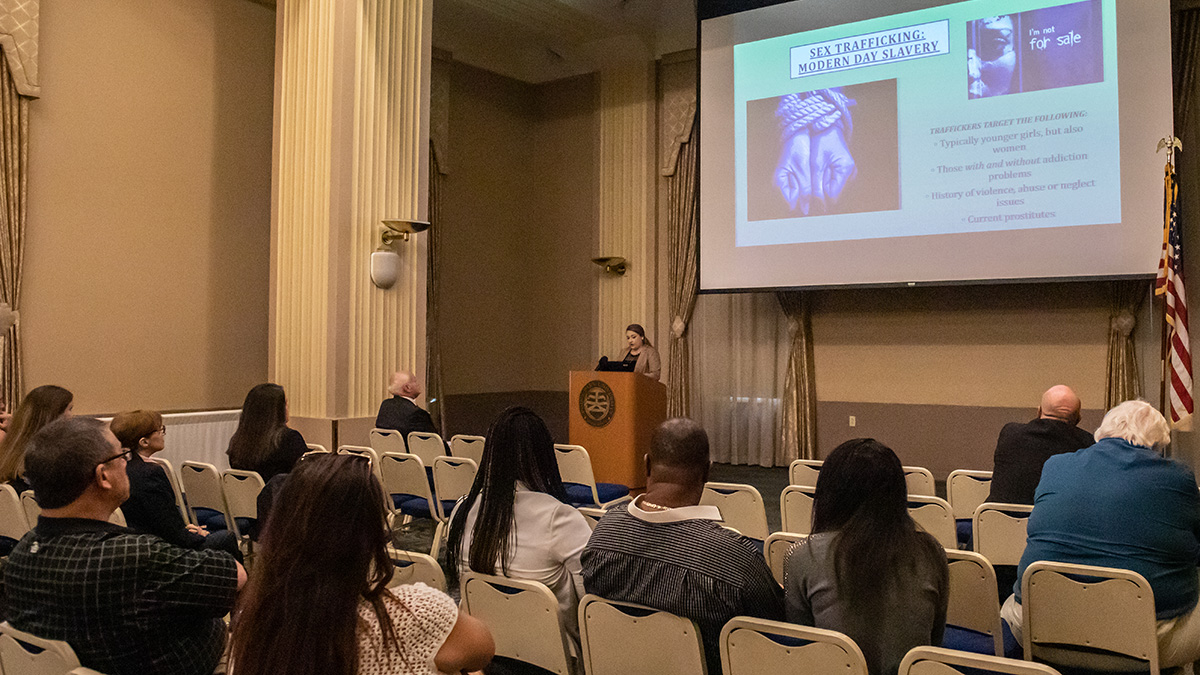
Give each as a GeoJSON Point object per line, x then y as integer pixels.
{"type": "Point", "coordinates": [800, 389]}
{"type": "Point", "coordinates": [683, 246]}
{"type": "Point", "coordinates": [1123, 382]}
{"type": "Point", "coordinates": [14, 175]}
{"type": "Point", "coordinates": [433, 349]}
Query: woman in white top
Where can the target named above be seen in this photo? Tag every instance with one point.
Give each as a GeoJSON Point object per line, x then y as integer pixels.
{"type": "Point", "coordinates": [317, 605]}
{"type": "Point", "coordinates": [515, 521]}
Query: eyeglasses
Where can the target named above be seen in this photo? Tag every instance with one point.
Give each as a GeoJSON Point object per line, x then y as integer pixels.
{"type": "Point", "coordinates": [124, 453]}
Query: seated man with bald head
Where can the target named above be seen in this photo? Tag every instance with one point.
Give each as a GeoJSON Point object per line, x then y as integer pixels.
{"type": "Point", "coordinates": [1022, 449]}
{"type": "Point", "coordinates": [666, 551]}
{"type": "Point", "coordinates": [401, 412]}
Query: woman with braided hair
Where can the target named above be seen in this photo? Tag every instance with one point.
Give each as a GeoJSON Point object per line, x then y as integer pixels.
{"type": "Point", "coordinates": [815, 165]}
{"type": "Point", "coordinates": [515, 521]}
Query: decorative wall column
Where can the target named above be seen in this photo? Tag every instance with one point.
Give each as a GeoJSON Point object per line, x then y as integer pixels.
{"type": "Point", "coordinates": [627, 182]}
{"type": "Point", "coordinates": [351, 149]}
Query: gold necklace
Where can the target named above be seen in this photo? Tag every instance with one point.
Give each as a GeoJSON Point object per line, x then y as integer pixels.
{"type": "Point", "coordinates": [652, 506]}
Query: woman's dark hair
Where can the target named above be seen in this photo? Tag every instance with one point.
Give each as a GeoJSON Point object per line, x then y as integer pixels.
{"type": "Point", "coordinates": [637, 328]}
{"type": "Point", "coordinates": [862, 497]}
{"type": "Point", "coordinates": [299, 612]}
{"type": "Point", "coordinates": [40, 407]}
{"type": "Point", "coordinates": [260, 428]}
{"type": "Point", "coordinates": [518, 448]}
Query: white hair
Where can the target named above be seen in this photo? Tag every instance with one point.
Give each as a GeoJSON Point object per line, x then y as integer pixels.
{"type": "Point", "coordinates": [1137, 422]}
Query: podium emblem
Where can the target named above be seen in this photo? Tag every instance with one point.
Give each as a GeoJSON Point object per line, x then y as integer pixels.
{"type": "Point", "coordinates": [596, 403]}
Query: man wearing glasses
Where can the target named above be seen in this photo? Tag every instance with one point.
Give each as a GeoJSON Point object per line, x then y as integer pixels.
{"type": "Point", "coordinates": [125, 602]}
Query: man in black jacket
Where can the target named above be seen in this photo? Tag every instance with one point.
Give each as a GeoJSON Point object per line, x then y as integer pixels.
{"type": "Point", "coordinates": [1022, 449]}
{"type": "Point", "coordinates": [400, 412]}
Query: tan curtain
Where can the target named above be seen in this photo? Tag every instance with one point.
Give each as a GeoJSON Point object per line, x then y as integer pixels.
{"type": "Point", "coordinates": [433, 348]}
{"type": "Point", "coordinates": [1123, 382]}
{"type": "Point", "coordinates": [800, 387]}
{"type": "Point", "coordinates": [14, 155]}
{"type": "Point", "coordinates": [683, 249]}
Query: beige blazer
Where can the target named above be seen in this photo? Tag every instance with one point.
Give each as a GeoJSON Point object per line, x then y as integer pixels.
{"type": "Point", "coordinates": [648, 363]}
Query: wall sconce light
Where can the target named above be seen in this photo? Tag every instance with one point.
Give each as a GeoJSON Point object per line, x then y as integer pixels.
{"type": "Point", "coordinates": [612, 265]}
{"type": "Point", "coordinates": [385, 264]}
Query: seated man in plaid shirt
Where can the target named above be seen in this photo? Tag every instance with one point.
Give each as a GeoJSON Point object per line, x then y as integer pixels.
{"type": "Point", "coordinates": [127, 603]}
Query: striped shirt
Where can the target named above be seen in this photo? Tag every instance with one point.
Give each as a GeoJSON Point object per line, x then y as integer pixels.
{"type": "Point", "coordinates": [681, 561]}
{"type": "Point", "coordinates": [127, 603]}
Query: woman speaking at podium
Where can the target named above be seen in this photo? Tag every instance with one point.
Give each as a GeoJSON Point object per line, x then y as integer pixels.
{"type": "Point", "coordinates": [642, 352]}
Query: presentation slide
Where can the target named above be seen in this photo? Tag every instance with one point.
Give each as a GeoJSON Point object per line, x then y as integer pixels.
{"type": "Point", "coordinates": [934, 145]}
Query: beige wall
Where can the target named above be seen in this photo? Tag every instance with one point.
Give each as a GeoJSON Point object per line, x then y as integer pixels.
{"type": "Point", "coordinates": [148, 242]}
{"type": "Point", "coordinates": [518, 303]}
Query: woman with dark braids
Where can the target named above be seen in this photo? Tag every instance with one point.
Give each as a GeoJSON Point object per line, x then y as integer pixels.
{"type": "Point", "coordinates": [515, 521]}
{"type": "Point", "coordinates": [867, 571]}
{"type": "Point", "coordinates": [315, 609]}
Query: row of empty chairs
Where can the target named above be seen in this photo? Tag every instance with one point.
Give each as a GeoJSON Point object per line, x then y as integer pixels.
{"type": "Point", "coordinates": [19, 513]}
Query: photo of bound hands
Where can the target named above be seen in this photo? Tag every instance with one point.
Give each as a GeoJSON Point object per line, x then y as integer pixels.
{"type": "Point", "coordinates": [815, 152]}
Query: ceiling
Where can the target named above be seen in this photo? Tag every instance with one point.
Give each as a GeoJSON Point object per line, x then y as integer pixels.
{"type": "Point", "coordinates": [541, 40]}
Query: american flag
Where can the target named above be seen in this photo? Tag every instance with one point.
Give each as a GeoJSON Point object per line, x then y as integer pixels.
{"type": "Point", "coordinates": [1170, 285]}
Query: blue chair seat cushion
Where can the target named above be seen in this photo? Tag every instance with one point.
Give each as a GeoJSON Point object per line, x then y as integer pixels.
{"type": "Point", "coordinates": [963, 527]}
{"type": "Point", "coordinates": [418, 507]}
{"type": "Point", "coordinates": [581, 495]}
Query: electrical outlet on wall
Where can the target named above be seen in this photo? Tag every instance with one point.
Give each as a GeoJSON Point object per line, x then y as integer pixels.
{"type": "Point", "coordinates": [853, 420]}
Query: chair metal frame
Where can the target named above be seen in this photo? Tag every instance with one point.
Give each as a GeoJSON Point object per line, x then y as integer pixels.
{"type": "Point", "coordinates": [804, 472]}
{"type": "Point", "coordinates": [14, 522]}
{"type": "Point", "coordinates": [919, 481]}
{"type": "Point", "coordinates": [173, 477]}
{"type": "Point", "coordinates": [974, 604]}
{"type": "Point", "coordinates": [796, 522]}
{"type": "Point", "coordinates": [963, 490]}
{"type": "Point", "coordinates": [952, 659]}
{"type": "Point", "coordinates": [935, 516]}
{"type": "Point", "coordinates": [746, 649]}
{"type": "Point", "coordinates": [406, 480]}
{"type": "Point", "coordinates": [776, 549]}
{"type": "Point", "coordinates": [198, 494]}
{"type": "Point", "coordinates": [420, 567]}
{"type": "Point", "coordinates": [748, 517]}
{"type": "Point", "coordinates": [994, 532]}
{"type": "Point", "coordinates": [466, 445]}
{"type": "Point", "coordinates": [643, 643]}
{"type": "Point", "coordinates": [578, 469]}
{"type": "Point", "coordinates": [523, 620]}
{"type": "Point", "coordinates": [448, 482]}
{"type": "Point", "coordinates": [426, 445]}
{"type": "Point", "coordinates": [54, 657]}
{"type": "Point", "coordinates": [1077, 613]}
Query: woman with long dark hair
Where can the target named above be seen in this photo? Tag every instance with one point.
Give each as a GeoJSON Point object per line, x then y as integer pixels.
{"type": "Point", "coordinates": [40, 407]}
{"type": "Point", "coordinates": [866, 570]}
{"type": "Point", "coordinates": [315, 609]}
{"type": "Point", "coordinates": [515, 521]}
{"type": "Point", "coordinates": [641, 353]}
{"type": "Point", "coordinates": [263, 441]}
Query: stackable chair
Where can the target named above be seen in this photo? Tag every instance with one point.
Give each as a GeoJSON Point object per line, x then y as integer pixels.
{"type": "Point", "coordinates": [618, 638]}
{"type": "Point", "coordinates": [920, 481]}
{"type": "Point", "coordinates": [315, 447]}
{"type": "Point", "coordinates": [1000, 532]}
{"type": "Point", "coordinates": [241, 496]}
{"type": "Point", "coordinates": [426, 445]}
{"type": "Point", "coordinates": [388, 440]}
{"type": "Point", "coordinates": [13, 521]}
{"type": "Point", "coordinates": [751, 646]}
{"type": "Point", "coordinates": [741, 507]}
{"type": "Point", "coordinates": [173, 478]}
{"type": "Point", "coordinates": [367, 452]}
{"type": "Point", "coordinates": [412, 567]}
{"type": "Point", "coordinates": [966, 490]}
{"type": "Point", "coordinates": [452, 478]}
{"type": "Point", "coordinates": [796, 507]}
{"type": "Point", "coordinates": [205, 497]}
{"type": "Point", "coordinates": [522, 617]}
{"type": "Point", "coordinates": [407, 484]}
{"type": "Point", "coordinates": [935, 516]}
{"type": "Point", "coordinates": [575, 468]}
{"type": "Point", "coordinates": [591, 514]}
{"type": "Point", "coordinates": [30, 506]}
{"type": "Point", "coordinates": [776, 550]}
{"type": "Point", "coordinates": [117, 517]}
{"type": "Point", "coordinates": [804, 472]}
{"type": "Point", "coordinates": [939, 661]}
{"type": "Point", "coordinates": [463, 445]}
{"type": "Point", "coordinates": [23, 653]}
{"type": "Point", "coordinates": [1096, 618]}
{"type": "Point", "coordinates": [973, 614]}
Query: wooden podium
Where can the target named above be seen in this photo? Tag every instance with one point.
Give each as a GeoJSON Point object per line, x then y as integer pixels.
{"type": "Point", "coordinates": [613, 416]}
